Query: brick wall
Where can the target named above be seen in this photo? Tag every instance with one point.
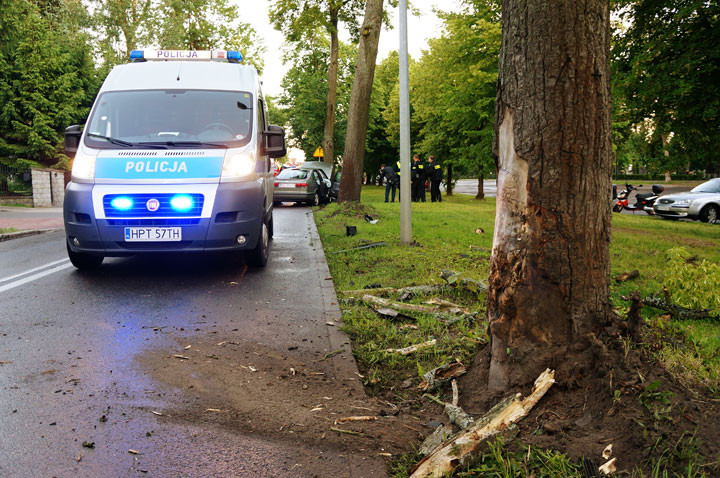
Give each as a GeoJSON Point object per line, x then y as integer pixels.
{"type": "Point", "coordinates": [48, 187]}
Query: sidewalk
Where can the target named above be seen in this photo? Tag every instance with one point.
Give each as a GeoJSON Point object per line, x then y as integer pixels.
{"type": "Point", "coordinates": [27, 221]}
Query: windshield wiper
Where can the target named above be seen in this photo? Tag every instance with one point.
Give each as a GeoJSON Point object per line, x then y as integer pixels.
{"type": "Point", "coordinates": [190, 144]}
{"type": "Point", "coordinates": [121, 142]}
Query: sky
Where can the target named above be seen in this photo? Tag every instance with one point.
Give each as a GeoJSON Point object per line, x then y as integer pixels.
{"type": "Point", "coordinates": [420, 28]}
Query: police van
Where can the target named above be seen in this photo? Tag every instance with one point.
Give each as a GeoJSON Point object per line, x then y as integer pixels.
{"type": "Point", "coordinates": [174, 157]}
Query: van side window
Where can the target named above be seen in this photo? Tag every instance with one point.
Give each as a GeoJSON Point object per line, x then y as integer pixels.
{"type": "Point", "coordinates": [262, 126]}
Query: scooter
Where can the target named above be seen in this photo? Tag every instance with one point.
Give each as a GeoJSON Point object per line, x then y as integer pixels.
{"type": "Point", "coordinates": [643, 202]}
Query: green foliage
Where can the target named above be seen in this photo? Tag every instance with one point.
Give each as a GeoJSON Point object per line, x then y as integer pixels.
{"type": "Point", "coordinates": [665, 70]}
{"type": "Point", "coordinates": [47, 78]}
{"type": "Point", "coordinates": [305, 93]}
{"type": "Point", "coordinates": [692, 283]}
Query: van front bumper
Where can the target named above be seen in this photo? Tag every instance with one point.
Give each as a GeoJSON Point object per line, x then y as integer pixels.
{"type": "Point", "coordinates": [237, 211]}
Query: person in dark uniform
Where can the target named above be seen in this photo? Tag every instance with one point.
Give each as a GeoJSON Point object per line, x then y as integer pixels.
{"type": "Point", "coordinates": [434, 175]}
{"type": "Point", "coordinates": [418, 179]}
{"type": "Point", "coordinates": [391, 180]}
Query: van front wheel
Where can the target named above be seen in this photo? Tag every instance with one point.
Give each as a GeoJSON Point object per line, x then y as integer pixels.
{"type": "Point", "coordinates": [82, 260]}
{"type": "Point", "coordinates": [258, 256]}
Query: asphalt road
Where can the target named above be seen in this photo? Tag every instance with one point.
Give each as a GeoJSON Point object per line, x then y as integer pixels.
{"type": "Point", "coordinates": [93, 357]}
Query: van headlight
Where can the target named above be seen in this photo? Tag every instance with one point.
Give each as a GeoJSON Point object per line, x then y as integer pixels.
{"type": "Point", "coordinates": [83, 167]}
{"type": "Point", "coordinates": [239, 165]}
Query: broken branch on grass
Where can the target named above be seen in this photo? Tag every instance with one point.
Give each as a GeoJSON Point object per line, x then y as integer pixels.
{"type": "Point", "coordinates": [456, 451]}
{"type": "Point", "coordinates": [626, 276]}
{"type": "Point", "coordinates": [413, 348]}
{"type": "Point", "coordinates": [676, 311]}
{"type": "Point", "coordinates": [455, 279]}
{"type": "Point", "coordinates": [441, 374]}
{"type": "Point", "coordinates": [365, 246]}
{"type": "Point", "coordinates": [405, 292]}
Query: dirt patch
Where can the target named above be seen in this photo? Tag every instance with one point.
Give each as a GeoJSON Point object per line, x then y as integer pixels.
{"type": "Point", "coordinates": [636, 406]}
{"type": "Point", "coordinates": [288, 396]}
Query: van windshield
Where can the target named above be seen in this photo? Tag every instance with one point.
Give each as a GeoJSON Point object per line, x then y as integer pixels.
{"type": "Point", "coordinates": [143, 118]}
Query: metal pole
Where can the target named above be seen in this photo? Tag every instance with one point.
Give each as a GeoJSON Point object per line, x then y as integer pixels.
{"type": "Point", "coordinates": [405, 210]}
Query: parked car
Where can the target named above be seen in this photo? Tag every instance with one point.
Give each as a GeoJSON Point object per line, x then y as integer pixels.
{"type": "Point", "coordinates": [702, 202]}
{"type": "Point", "coordinates": [300, 185]}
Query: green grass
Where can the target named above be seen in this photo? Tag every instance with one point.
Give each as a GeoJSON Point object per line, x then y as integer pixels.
{"type": "Point", "coordinates": [446, 238]}
{"type": "Point", "coordinates": [7, 230]}
{"type": "Point", "coordinates": [13, 205]}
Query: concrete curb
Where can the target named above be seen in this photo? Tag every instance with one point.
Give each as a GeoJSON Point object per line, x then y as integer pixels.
{"type": "Point", "coordinates": [344, 362]}
{"type": "Point", "coordinates": [30, 232]}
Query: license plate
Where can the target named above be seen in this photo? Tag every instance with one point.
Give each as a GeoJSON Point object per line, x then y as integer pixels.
{"type": "Point", "coordinates": [284, 185]}
{"type": "Point", "coordinates": [153, 234]}
{"type": "Point", "coordinates": [663, 208]}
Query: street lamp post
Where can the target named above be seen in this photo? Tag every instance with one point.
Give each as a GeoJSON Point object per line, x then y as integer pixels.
{"type": "Point", "coordinates": [405, 210]}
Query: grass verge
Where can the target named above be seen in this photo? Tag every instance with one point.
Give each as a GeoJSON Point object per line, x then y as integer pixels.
{"type": "Point", "coordinates": [7, 230]}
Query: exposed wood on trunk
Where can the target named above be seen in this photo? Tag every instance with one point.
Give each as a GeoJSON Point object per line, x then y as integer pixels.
{"type": "Point", "coordinates": [635, 320]}
{"type": "Point", "coordinates": [457, 450]}
{"type": "Point", "coordinates": [549, 272]}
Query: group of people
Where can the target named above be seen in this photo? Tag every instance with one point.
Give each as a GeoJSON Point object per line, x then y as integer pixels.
{"type": "Point", "coordinates": [421, 175]}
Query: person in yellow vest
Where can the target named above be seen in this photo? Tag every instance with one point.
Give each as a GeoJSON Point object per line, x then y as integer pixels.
{"type": "Point", "coordinates": [434, 175]}
{"type": "Point", "coordinates": [417, 178]}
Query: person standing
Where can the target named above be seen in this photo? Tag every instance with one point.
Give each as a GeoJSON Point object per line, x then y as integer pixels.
{"type": "Point", "coordinates": [418, 179]}
{"type": "Point", "coordinates": [391, 180]}
{"type": "Point", "coordinates": [435, 176]}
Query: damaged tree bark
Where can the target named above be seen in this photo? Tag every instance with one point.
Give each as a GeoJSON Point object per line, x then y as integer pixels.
{"type": "Point", "coordinates": [549, 276]}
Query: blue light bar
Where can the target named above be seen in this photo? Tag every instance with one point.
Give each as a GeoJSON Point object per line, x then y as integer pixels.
{"type": "Point", "coordinates": [137, 55]}
{"type": "Point", "coordinates": [181, 202]}
{"type": "Point", "coordinates": [234, 56]}
{"type": "Point", "coordinates": [122, 203]}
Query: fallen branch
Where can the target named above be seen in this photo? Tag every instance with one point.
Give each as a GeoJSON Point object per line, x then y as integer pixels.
{"type": "Point", "coordinates": [356, 419]}
{"type": "Point", "coordinates": [447, 305]}
{"type": "Point", "coordinates": [365, 246]}
{"type": "Point", "coordinates": [413, 348]}
{"type": "Point", "coordinates": [455, 451]}
{"type": "Point", "coordinates": [676, 311]}
{"type": "Point", "coordinates": [441, 374]}
{"type": "Point", "coordinates": [405, 292]}
{"type": "Point", "coordinates": [424, 309]}
{"type": "Point", "coordinates": [349, 432]}
{"type": "Point", "coordinates": [455, 279]}
{"type": "Point", "coordinates": [626, 276]}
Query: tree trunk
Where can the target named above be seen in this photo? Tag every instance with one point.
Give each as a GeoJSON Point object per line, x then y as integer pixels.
{"type": "Point", "coordinates": [359, 109]}
{"type": "Point", "coordinates": [328, 141]}
{"type": "Point", "coordinates": [666, 153]}
{"type": "Point", "coordinates": [549, 275]}
{"type": "Point", "coordinates": [448, 190]}
{"type": "Point", "coordinates": [481, 192]}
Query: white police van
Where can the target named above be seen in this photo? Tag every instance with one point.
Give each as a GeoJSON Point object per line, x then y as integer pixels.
{"type": "Point", "coordinates": [175, 156]}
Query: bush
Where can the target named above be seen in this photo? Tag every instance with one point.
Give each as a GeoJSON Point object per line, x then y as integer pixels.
{"type": "Point", "coordinates": [691, 283]}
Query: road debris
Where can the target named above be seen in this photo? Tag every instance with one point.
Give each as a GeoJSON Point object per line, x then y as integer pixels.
{"type": "Point", "coordinates": [609, 467]}
{"type": "Point", "coordinates": [181, 357]}
{"type": "Point", "coordinates": [442, 374]}
{"type": "Point", "coordinates": [78, 458]}
{"type": "Point", "coordinates": [348, 432]}
{"type": "Point", "coordinates": [187, 347]}
{"type": "Point", "coordinates": [88, 444]}
{"type": "Point", "coordinates": [413, 348]}
{"type": "Point", "coordinates": [455, 451]}
{"type": "Point", "coordinates": [214, 410]}
{"type": "Point", "coordinates": [134, 452]}
{"type": "Point", "coordinates": [327, 356]}
{"type": "Point", "coordinates": [156, 413]}
{"type": "Point", "coordinates": [356, 419]}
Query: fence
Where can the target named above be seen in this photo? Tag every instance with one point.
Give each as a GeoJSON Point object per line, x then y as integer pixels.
{"type": "Point", "coordinates": [15, 181]}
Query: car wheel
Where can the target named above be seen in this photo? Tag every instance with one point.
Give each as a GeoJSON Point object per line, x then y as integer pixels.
{"type": "Point", "coordinates": [710, 213]}
{"type": "Point", "coordinates": [271, 227]}
{"type": "Point", "coordinates": [316, 199]}
{"type": "Point", "coordinates": [258, 256]}
{"type": "Point", "coordinates": [82, 260]}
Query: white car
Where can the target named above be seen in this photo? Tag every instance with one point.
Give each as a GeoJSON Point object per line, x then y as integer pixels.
{"type": "Point", "coordinates": [701, 203]}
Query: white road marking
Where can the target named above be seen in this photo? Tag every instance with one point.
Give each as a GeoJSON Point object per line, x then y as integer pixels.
{"type": "Point", "coordinates": [5, 279]}
{"type": "Point", "coordinates": [33, 277]}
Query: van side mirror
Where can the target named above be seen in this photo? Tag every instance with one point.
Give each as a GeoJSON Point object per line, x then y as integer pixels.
{"type": "Point", "coordinates": [72, 139]}
{"type": "Point", "coordinates": [275, 141]}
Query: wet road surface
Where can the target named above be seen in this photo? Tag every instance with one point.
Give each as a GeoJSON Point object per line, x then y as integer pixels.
{"type": "Point", "coordinates": [92, 358]}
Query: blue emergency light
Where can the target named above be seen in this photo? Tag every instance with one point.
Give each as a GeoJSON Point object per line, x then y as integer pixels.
{"type": "Point", "coordinates": [137, 55]}
{"type": "Point", "coordinates": [122, 203]}
{"type": "Point", "coordinates": [181, 202]}
{"type": "Point", "coordinates": [234, 56]}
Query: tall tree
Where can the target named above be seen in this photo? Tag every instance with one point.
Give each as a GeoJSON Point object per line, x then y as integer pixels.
{"type": "Point", "coordinates": [359, 111]}
{"type": "Point", "coordinates": [297, 19]}
{"type": "Point", "coordinates": [207, 25]}
{"type": "Point", "coordinates": [122, 26]}
{"type": "Point", "coordinates": [549, 278]}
